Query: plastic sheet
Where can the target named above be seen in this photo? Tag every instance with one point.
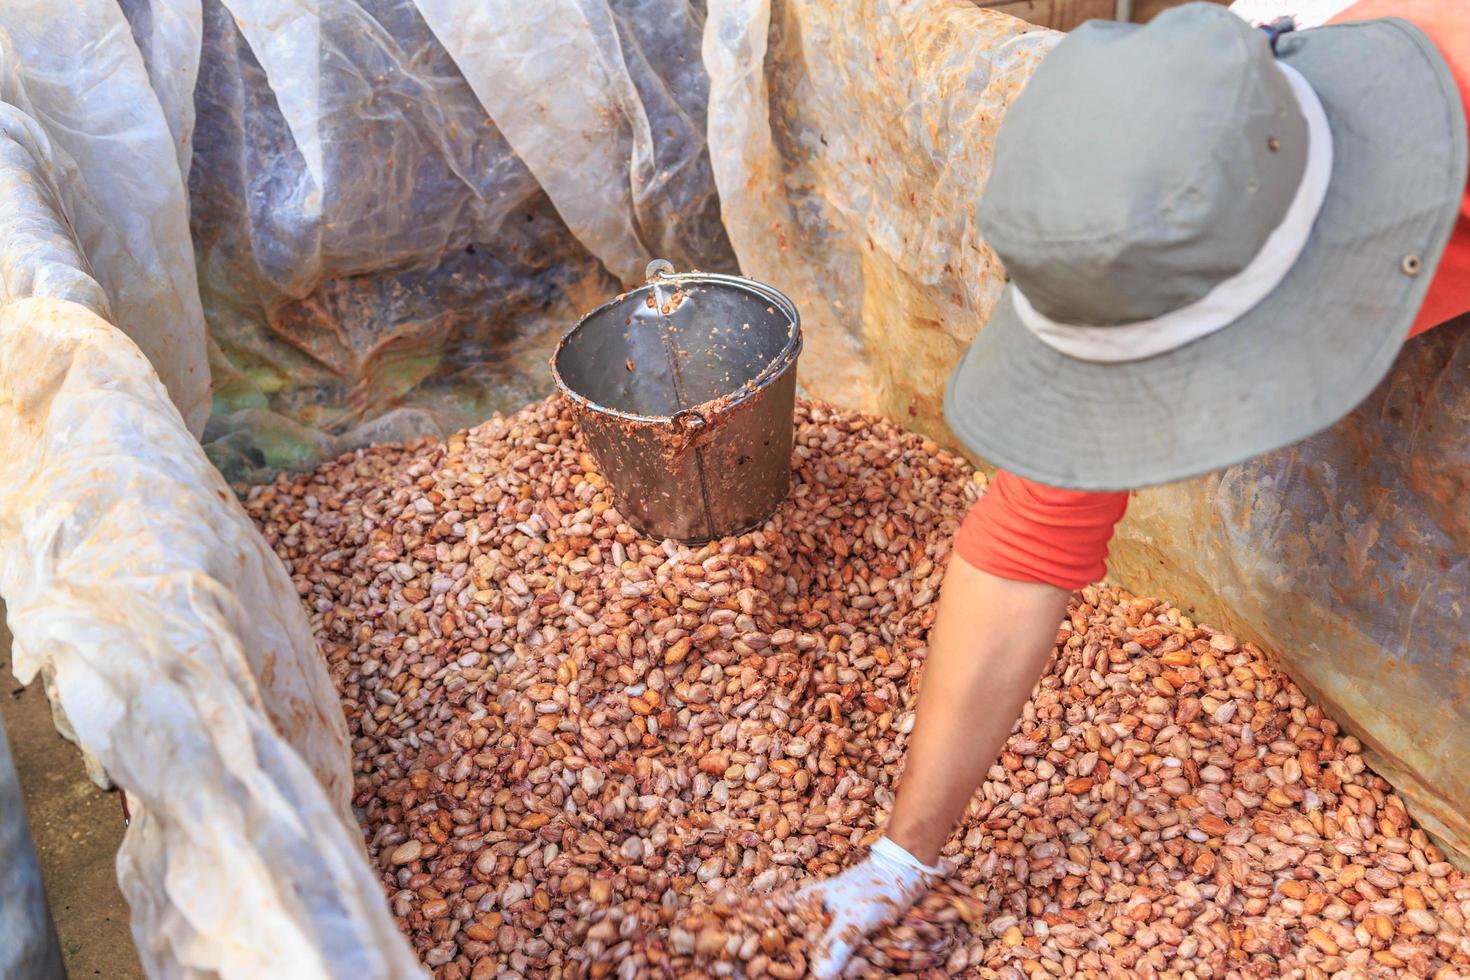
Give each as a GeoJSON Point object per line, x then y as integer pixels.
{"type": "Point", "coordinates": [382, 214]}
{"type": "Point", "coordinates": [170, 632]}
{"type": "Point", "coordinates": [81, 80]}
{"type": "Point", "coordinates": [851, 146]}
{"type": "Point", "coordinates": [185, 664]}
{"type": "Point", "coordinates": [169, 35]}
{"type": "Point", "coordinates": [626, 78]}
{"type": "Point", "coordinates": [1348, 556]}
{"type": "Point", "coordinates": [366, 239]}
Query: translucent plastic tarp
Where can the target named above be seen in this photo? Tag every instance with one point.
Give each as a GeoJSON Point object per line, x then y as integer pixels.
{"type": "Point", "coordinates": [172, 636]}
{"type": "Point", "coordinates": [1348, 555]}
{"type": "Point", "coordinates": [398, 206]}
{"type": "Point", "coordinates": [851, 144]}
{"type": "Point", "coordinates": [77, 76]}
{"type": "Point", "coordinates": [184, 663]}
{"type": "Point", "coordinates": [850, 149]}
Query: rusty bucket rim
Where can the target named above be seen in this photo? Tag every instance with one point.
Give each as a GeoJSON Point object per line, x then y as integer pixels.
{"type": "Point", "coordinates": [747, 389]}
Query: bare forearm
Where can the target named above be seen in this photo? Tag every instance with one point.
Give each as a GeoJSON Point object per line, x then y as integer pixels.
{"type": "Point", "coordinates": [989, 644]}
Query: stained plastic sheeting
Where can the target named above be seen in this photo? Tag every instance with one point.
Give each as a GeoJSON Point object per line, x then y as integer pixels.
{"type": "Point", "coordinates": [851, 144]}
{"type": "Point", "coordinates": [78, 78]}
{"type": "Point", "coordinates": [1348, 555]}
{"type": "Point", "coordinates": [131, 575]}
{"type": "Point", "coordinates": [185, 664]}
{"type": "Point", "coordinates": [399, 205]}
{"type": "Point", "coordinates": [850, 149]}
{"type": "Point", "coordinates": [184, 661]}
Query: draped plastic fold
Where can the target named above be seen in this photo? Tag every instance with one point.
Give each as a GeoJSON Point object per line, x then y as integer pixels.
{"type": "Point", "coordinates": [397, 206]}
{"type": "Point", "coordinates": [850, 148]}
{"type": "Point", "coordinates": [851, 144]}
{"type": "Point", "coordinates": [81, 78]}
{"type": "Point", "coordinates": [172, 636]}
{"type": "Point", "coordinates": [185, 665]}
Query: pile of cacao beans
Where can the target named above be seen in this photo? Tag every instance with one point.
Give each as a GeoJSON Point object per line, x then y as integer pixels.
{"type": "Point", "coordinates": [580, 752]}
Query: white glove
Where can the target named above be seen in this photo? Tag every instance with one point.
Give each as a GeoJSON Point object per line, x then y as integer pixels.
{"type": "Point", "coordinates": [864, 898]}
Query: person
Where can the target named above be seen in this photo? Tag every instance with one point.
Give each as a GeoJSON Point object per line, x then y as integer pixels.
{"type": "Point", "coordinates": [1218, 237]}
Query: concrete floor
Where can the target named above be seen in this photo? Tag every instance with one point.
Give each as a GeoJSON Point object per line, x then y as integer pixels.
{"type": "Point", "coordinates": [77, 829]}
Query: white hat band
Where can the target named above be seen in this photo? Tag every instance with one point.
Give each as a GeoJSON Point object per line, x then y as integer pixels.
{"type": "Point", "coordinates": [1231, 298]}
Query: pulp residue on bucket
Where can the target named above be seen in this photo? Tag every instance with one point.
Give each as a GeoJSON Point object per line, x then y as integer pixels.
{"type": "Point", "coordinates": [705, 360]}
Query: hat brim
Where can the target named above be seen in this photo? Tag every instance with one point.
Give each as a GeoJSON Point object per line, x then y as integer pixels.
{"type": "Point", "coordinates": [1307, 355]}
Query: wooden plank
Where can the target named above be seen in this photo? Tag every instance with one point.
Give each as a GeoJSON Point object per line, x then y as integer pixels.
{"type": "Point", "coordinates": [1061, 15]}
{"type": "Point", "coordinates": [1146, 10]}
{"type": "Point", "coordinates": [1064, 15]}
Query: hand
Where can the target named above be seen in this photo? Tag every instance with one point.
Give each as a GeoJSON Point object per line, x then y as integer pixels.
{"type": "Point", "coordinates": [864, 898]}
{"type": "Point", "coordinates": [990, 642]}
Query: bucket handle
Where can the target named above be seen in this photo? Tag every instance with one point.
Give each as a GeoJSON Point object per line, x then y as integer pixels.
{"type": "Point", "coordinates": [689, 420]}
{"type": "Point", "coordinates": [658, 269]}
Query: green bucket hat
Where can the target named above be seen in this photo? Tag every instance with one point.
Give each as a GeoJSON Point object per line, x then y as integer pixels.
{"type": "Point", "coordinates": [1215, 246]}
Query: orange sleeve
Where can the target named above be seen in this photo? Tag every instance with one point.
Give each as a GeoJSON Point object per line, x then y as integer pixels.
{"type": "Point", "coordinates": [1028, 532]}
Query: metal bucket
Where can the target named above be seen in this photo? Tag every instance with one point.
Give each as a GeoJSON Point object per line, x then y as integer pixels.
{"type": "Point", "coordinates": [685, 389]}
